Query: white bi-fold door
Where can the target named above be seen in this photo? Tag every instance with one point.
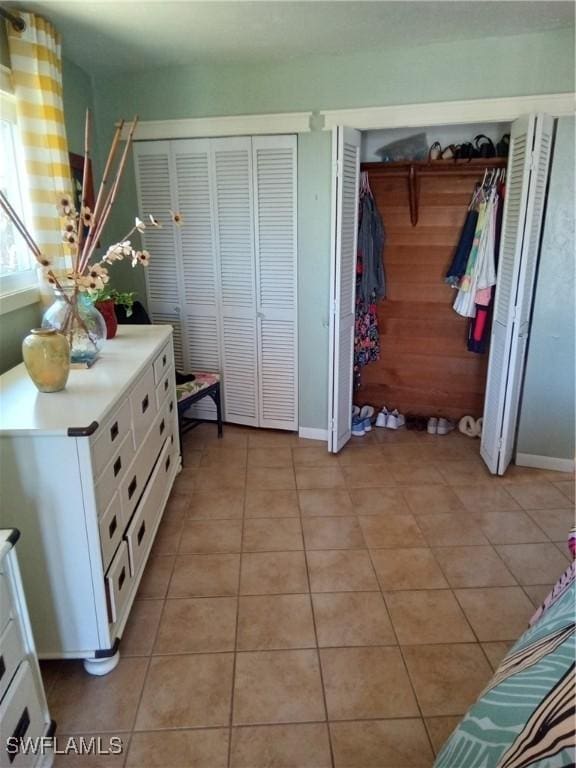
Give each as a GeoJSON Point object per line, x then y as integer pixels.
{"type": "Point", "coordinates": [226, 278]}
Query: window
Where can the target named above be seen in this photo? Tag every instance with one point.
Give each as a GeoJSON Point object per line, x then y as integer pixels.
{"type": "Point", "coordinates": [17, 264]}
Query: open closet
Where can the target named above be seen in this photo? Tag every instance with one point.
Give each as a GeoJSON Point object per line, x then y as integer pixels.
{"type": "Point", "coordinates": [226, 278]}
{"type": "Point", "coordinates": [424, 364]}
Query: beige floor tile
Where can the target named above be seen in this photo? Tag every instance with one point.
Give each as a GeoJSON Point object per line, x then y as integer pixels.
{"type": "Point", "coordinates": [403, 453]}
{"type": "Point", "coordinates": [368, 475]}
{"type": "Point", "coordinates": [199, 748]}
{"type": "Point", "coordinates": [271, 503]}
{"type": "Point", "coordinates": [515, 475]}
{"type": "Point", "coordinates": [453, 451]}
{"type": "Point", "coordinates": [313, 456]}
{"type": "Point", "coordinates": [277, 687]}
{"type": "Point", "coordinates": [410, 568]}
{"type": "Point", "coordinates": [566, 487]}
{"type": "Point", "coordinates": [464, 472]}
{"type": "Point", "coordinates": [270, 457]}
{"type": "Point", "coordinates": [184, 484]}
{"type": "Point", "coordinates": [352, 618]}
{"type": "Point", "coordinates": [168, 536]}
{"type": "Point", "coordinates": [538, 592]}
{"type": "Point", "coordinates": [201, 625]}
{"type": "Point", "coordinates": [509, 527]}
{"type": "Point", "coordinates": [381, 744]}
{"type": "Point", "coordinates": [419, 474]}
{"type": "Point", "coordinates": [379, 501]}
{"type": "Point", "coordinates": [496, 652]}
{"type": "Point", "coordinates": [271, 478]}
{"type": "Point", "coordinates": [319, 477]}
{"type": "Point", "coordinates": [366, 683]}
{"type": "Point", "coordinates": [82, 703]}
{"type": "Point", "coordinates": [440, 729]}
{"type": "Point", "coordinates": [557, 523]}
{"type": "Point", "coordinates": [473, 567]}
{"type": "Point", "coordinates": [156, 576]}
{"type": "Point", "coordinates": [432, 499]}
{"type": "Point", "coordinates": [325, 502]}
{"type": "Point", "coordinates": [107, 741]}
{"type": "Point", "coordinates": [176, 508]}
{"type": "Point", "coordinates": [210, 536]}
{"type": "Point", "coordinates": [396, 436]}
{"type": "Point", "coordinates": [447, 678]}
{"type": "Point", "coordinates": [140, 631]}
{"type": "Point", "coordinates": [537, 495]}
{"type": "Point", "coordinates": [186, 692]}
{"type": "Point", "coordinates": [496, 613]}
{"type": "Point", "coordinates": [281, 746]}
{"type": "Point", "coordinates": [486, 498]}
{"type": "Point", "coordinates": [391, 531]}
{"type": "Point", "coordinates": [205, 576]}
{"type": "Point", "coordinates": [216, 478]}
{"type": "Point", "coordinates": [332, 533]}
{"type": "Point", "coordinates": [358, 455]}
{"type": "Point", "coordinates": [270, 534]}
{"type": "Point", "coordinates": [216, 504]}
{"type": "Point", "coordinates": [533, 563]}
{"type": "Point", "coordinates": [221, 455]}
{"type": "Point", "coordinates": [270, 573]}
{"type": "Point", "coordinates": [274, 622]}
{"type": "Point", "coordinates": [428, 616]}
{"type": "Point", "coordinates": [50, 669]}
{"type": "Point", "coordinates": [344, 570]}
{"type": "Point", "coordinates": [271, 438]}
{"type": "Point", "coordinates": [450, 530]}
{"type": "Point", "coordinates": [191, 458]}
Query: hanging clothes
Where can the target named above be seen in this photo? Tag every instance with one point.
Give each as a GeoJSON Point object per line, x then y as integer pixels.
{"type": "Point", "coordinates": [370, 280]}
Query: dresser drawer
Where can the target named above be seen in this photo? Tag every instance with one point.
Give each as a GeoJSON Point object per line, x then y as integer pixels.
{"type": "Point", "coordinates": [114, 472]}
{"type": "Point", "coordinates": [143, 525]}
{"type": "Point", "coordinates": [143, 405]}
{"type": "Point", "coordinates": [163, 362]}
{"type": "Point", "coordinates": [12, 651]}
{"type": "Point", "coordinates": [111, 526]}
{"type": "Point", "coordinates": [118, 583]}
{"type": "Point", "coordinates": [21, 718]}
{"type": "Point", "coordinates": [5, 602]}
{"type": "Point", "coordinates": [112, 433]}
{"type": "Point", "coordinates": [165, 388]}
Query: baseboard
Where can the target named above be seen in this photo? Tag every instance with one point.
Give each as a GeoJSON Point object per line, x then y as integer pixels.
{"type": "Point", "coordinates": [544, 462]}
{"type": "Point", "coordinates": [311, 433]}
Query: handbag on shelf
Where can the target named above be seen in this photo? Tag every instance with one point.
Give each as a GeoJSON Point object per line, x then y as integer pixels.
{"type": "Point", "coordinates": [484, 146]}
{"type": "Point", "coordinates": [503, 146]}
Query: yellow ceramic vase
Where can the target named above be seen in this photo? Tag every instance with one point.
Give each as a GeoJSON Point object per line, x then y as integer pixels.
{"type": "Point", "coordinates": [46, 356]}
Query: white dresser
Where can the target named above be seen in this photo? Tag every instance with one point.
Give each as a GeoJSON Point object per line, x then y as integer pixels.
{"type": "Point", "coordinates": [24, 718]}
{"type": "Point", "coordinates": [85, 475]}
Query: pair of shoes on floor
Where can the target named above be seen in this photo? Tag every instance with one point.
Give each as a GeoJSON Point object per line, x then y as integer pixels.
{"type": "Point", "coordinates": [439, 426]}
{"type": "Point", "coordinates": [470, 426]}
{"type": "Point", "coordinates": [416, 422]}
{"type": "Point", "coordinates": [390, 419]}
{"type": "Point", "coordinates": [362, 420]}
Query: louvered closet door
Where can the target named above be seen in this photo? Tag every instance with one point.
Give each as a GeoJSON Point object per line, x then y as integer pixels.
{"type": "Point", "coordinates": [234, 215]}
{"type": "Point", "coordinates": [527, 176]}
{"type": "Point", "coordinates": [274, 165]}
{"type": "Point", "coordinates": [346, 154]}
{"type": "Point", "coordinates": [154, 183]}
{"type": "Point", "coordinates": [193, 189]}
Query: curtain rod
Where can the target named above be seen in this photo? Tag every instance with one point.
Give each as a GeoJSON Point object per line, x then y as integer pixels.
{"type": "Point", "coordinates": [18, 23]}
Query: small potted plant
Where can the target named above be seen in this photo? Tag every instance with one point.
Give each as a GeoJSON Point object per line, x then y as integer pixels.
{"type": "Point", "coordinates": [106, 301]}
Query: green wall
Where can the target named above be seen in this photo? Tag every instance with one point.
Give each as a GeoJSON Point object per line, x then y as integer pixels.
{"type": "Point", "coordinates": [512, 66]}
{"type": "Point", "coordinates": [547, 417]}
{"type": "Point", "coordinates": [77, 97]}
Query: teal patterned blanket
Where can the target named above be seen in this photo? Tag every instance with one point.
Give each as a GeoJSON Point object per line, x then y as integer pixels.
{"type": "Point", "coordinates": [526, 715]}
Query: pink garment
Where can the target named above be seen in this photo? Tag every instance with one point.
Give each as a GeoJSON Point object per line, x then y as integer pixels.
{"type": "Point", "coordinates": [483, 296]}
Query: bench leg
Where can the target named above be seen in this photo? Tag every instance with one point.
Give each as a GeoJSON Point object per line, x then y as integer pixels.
{"type": "Point", "coordinates": [218, 402]}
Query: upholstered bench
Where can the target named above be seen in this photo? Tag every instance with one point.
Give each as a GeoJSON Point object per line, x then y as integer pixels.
{"type": "Point", "coordinates": [190, 392]}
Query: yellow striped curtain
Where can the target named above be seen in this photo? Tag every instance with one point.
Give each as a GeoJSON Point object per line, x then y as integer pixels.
{"type": "Point", "coordinates": [36, 63]}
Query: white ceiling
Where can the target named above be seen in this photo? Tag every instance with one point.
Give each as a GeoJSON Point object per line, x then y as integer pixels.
{"type": "Point", "coordinates": [133, 35]}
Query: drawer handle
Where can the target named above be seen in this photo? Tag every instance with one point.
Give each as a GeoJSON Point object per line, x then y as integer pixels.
{"type": "Point", "coordinates": [113, 527]}
{"type": "Point", "coordinates": [164, 359]}
{"type": "Point", "coordinates": [18, 734]}
{"type": "Point", "coordinates": [166, 383]}
{"type": "Point", "coordinates": [171, 406]}
{"type": "Point", "coordinates": [113, 431]}
{"type": "Point", "coordinates": [162, 426]}
{"type": "Point", "coordinates": [2, 667]}
{"type": "Point", "coordinates": [145, 404]}
{"type": "Point", "coordinates": [117, 466]}
{"type": "Point", "coordinates": [132, 487]}
{"type": "Point", "coordinates": [167, 464]}
{"type": "Point", "coordinates": [122, 578]}
{"type": "Point", "coordinates": [141, 532]}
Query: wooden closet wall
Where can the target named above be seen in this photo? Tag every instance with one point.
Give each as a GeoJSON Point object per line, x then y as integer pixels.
{"type": "Point", "coordinates": [424, 365]}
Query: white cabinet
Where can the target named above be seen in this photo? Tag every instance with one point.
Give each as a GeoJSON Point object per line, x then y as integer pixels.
{"type": "Point", "coordinates": [226, 279]}
{"type": "Point", "coordinates": [86, 474]}
{"type": "Point", "coordinates": [24, 713]}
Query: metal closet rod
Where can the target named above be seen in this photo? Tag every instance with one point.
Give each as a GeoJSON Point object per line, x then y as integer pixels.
{"type": "Point", "coordinates": [18, 23]}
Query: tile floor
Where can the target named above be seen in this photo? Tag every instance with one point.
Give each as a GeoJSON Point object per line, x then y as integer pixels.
{"type": "Point", "coordinates": [301, 610]}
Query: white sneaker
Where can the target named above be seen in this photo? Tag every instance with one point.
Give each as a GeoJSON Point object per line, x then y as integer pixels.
{"type": "Point", "coordinates": [445, 426]}
{"type": "Point", "coordinates": [395, 420]}
{"type": "Point", "coordinates": [366, 413]}
{"type": "Point", "coordinates": [381, 418]}
{"type": "Point", "coordinates": [358, 429]}
{"type": "Point", "coordinates": [432, 426]}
